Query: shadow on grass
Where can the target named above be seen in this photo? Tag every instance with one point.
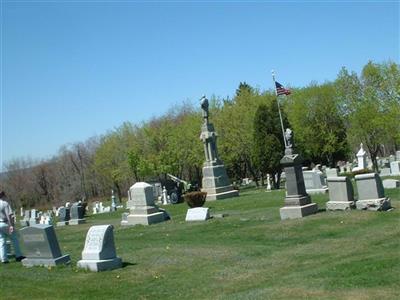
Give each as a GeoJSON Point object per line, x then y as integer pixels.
{"type": "Point", "coordinates": [126, 264]}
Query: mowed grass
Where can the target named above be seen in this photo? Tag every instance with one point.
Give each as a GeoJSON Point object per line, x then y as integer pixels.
{"type": "Point", "coordinates": [249, 254]}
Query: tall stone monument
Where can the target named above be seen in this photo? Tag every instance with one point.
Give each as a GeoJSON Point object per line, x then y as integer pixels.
{"type": "Point", "coordinates": [99, 253]}
{"type": "Point", "coordinates": [142, 209]}
{"type": "Point", "coordinates": [215, 180]}
{"type": "Point", "coordinates": [297, 201]}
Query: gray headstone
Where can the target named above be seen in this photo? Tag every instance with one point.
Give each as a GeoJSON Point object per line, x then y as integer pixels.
{"type": "Point", "coordinates": [395, 167]}
{"type": "Point", "coordinates": [341, 194]}
{"type": "Point", "coordinates": [314, 182]}
{"type": "Point", "coordinates": [77, 213]}
{"type": "Point", "coordinates": [398, 155]}
{"type": "Point", "coordinates": [385, 172]}
{"type": "Point", "coordinates": [142, 208]}
{"type": "Point", "coordinates": [41, 246]}
{"type": "Point", "coordinates": [391, 183]}
{"type": "Point", "coordinates": [331, 172]}
{"type": "Point", "coordinates": [371, 195]}
{"type": "Point", "coordinates": [63, 216]}
{"type": "Point", "coordinates": [99, 253]}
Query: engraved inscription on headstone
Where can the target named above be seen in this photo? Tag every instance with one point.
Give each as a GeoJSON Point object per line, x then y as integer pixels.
{"type": "Point", "coordinates": [99, 251]}
{"type": "Point", "coordinates": [41, 246]}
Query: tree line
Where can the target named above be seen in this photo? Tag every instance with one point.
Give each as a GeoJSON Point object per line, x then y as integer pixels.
{"type": "Point", "coordinates": [329, 121]}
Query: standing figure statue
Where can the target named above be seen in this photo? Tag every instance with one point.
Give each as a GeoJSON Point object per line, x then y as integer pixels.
{"type": "Point", "coordinates": [289, 145]}
{"type": "Point", "coordinates": [204, 107]}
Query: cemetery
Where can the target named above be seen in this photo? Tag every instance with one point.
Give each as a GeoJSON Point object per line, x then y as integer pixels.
{"type": "Point", "coordinates": [326, 226]}
{"type": "Point", "coordinates": [121, 179]}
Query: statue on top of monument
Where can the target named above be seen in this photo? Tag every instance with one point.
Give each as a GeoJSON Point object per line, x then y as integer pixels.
{"type": "Point", "coordinates": [204, 107]}
{"type": "Point", "coordinates": [289, 141]}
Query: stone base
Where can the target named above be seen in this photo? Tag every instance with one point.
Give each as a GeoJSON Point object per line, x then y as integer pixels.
{"type": "Point", "coordinates": [77, 221]}
{"type": "Point", "coordinates": [317, 191]}
{"type": "Point", "coordinates": [339, 205]}
{"type": "Point", "coordinates": [100, 265]}
{"type": "Point", "coordinates": [295, 212]}
{"type": "Point", "coordinates": [223, 195]}
{"type": "Point", "coordinates": [149, 219]}
{"type": "Point", "coordinates": [197, 214]}
{"type": "Point", "coordinates": [62, 223]}
{"type": "Point", "coordinates": [374, 204]}
{"type": "Point", "coordinates": [47, 262]}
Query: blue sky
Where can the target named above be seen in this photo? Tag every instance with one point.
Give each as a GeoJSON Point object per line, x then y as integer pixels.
{"type": "Point", "coordinates": [71, 70]}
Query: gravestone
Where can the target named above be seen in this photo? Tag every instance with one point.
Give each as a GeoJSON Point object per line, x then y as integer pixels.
{"type": "Point", "coordinates": [391, 183]}
{"type": "Point", "coordinates": [25, 221]}
{"type": "Point", "coordinates": [314, 182]}
{"type": "Point", "coordinates": [215, 180]}
{"type": "Point", "coordinates": [361, 159]}
{"type": "Point", "coordinates": [385, 172]}
{"type": "Point", "coordinates": [63, 216]}
{"type": "Point", "coordinates": [34, 219]}
{"type": "Point", "coordinates": [341, 194]}
{"type": "Point", "coordinates": [198, 214]}
{"type": "Point", "coordinates": [297, 202]}
{"type": "Point", "coordinates": [41, 247]}
{"type": "Point", "coordinates": [371, 195]}
{"type": "Point", "coordinates": [142, 210]}
{"type": "Point", "coordinates": [331, 172]}
{"type": "Point", "coordinates": [99, 252]}
{"type": "Point", "coordinates": [395, 168]}
{"type": "Point", "coordinates": [398, 155]}
{"type": "Point", "coordinates": [77, 213]}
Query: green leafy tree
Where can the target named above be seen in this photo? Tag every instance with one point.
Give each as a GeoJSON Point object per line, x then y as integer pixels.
{"type": "Point", "coordinates": [268, 142]}
{"type": "Point", "coordinates": [372, 105]}
{"type": "Point", "coordinates": [319, 126]}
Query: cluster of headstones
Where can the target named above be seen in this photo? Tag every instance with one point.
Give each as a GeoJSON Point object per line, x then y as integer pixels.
{"type": "Point", "coordinates": [371, 194]}
{"type": "Point", "coordinates": [33, 217]}
{"type": "Point", "coordinates": [390, 166]}
{"type": "Point", "coordinates": [41, 248]}
{"type": "Point", "coordinates": [71, 214]}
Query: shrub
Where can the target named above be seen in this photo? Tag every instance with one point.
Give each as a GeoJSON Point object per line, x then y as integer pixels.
{"type": "Point", "coordinates": [195, 199]}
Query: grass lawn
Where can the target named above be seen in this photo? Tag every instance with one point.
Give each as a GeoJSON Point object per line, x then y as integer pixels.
{"type": "Point", "coordinates": [249, 254]}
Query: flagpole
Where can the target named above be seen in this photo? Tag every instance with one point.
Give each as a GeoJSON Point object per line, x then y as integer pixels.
{"type": "Point", "coordinates": [279, 109]}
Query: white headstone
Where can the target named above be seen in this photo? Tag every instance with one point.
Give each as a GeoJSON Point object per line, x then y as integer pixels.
{"type": "Point", "coordinates": [99, 253]}
{"type": "Point", "coordinates": [395, 167]}
{"type": "Point", "coordinates": [391, 183]}
{"type": "Point", "coordinates": [197, 214]}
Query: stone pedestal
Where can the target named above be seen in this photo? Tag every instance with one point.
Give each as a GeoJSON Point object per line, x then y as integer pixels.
{"type": "Point", "coordinates": [198, 214]}
{"type": "Point", "coordinates": [99, 253]}
{"type": "Point", "coordinates": [371, 195]}
{"type": "Point", "coordinates": [41, 247]}
{"type": "Point", "coordinates": [142, 208]}
{"type": "Point", "coordinates": [215, 180]}
{"type": "Point", "coordinates": [341, 194]}
{"type": "Point", "coordinates": [297, 201]}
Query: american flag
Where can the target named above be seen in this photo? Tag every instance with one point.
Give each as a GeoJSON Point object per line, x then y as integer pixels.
{"type": "Point", "coordinates": [280, 90]}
